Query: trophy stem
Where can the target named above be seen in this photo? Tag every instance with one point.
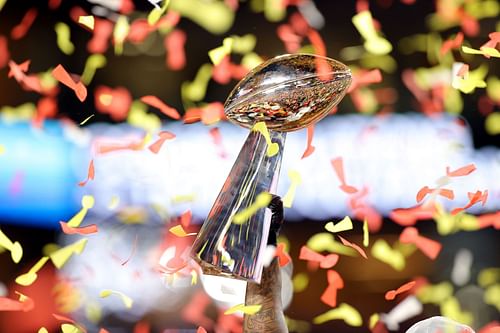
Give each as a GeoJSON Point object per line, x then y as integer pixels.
{"type": "Point", "coordinates": [223, 247]}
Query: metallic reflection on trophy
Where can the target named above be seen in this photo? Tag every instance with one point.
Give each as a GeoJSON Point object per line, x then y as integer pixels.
{"type": "Point", "coordinates": [286, 93]}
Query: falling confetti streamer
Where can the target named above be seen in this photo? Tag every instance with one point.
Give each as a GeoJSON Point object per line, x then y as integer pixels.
{"type": "Point", "coordinates": [343, 225]}
{"type": "Point", "coordinates": [391, 294]}
{"type": "Point", "coordinates": [262, 200]}
{"type": "Point", "coordinates": [20, 30]}
{"type": "Point", "coordinates": [295, 181]}
{"type": "Point", "coordinates": [90, 174]}
{"type": "Point", "coordinates": [272, 147]}
{"type": "Point", "coordinates": [354, 246]}
{"type": "Point", "coordinates": [326, 262]}
{"type": "Point", "coordinates": [64, 38]}
{"type": "Point", "coordinates": [127, 301]}
{"type": "Point", "coordinates": [310, 148]}
{"type": "Point", "coordinates": [428, 246]}
{"type": "Point", "coordinates": [164, 135]}
{"type": "Point", "coordinates": [28, 278]}
{"type": "Point", "coordinates": [61, 75]}
{"type": "Point", "coordinates": [157, 103]}
{"type": "Point", "coordinates": [61, 256]}
{"type": "Point", "coordinates": [383, 252]}
{"type": "Point", "coordinates": [246, 309]}
{"type": "Point", "coordinates": [344, 311]}
{"type": "Point", "coordinates": [89, 229]}
{"type": "Point", "coordinates": [16, 251]}
{"type": "Point", "coordinates": [179, 231]}
{"type": "Point", "coordinates": [338, 167]}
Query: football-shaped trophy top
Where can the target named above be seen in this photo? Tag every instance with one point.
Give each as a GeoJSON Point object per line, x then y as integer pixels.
{"type": "Point", "coordinates": [288, 92]}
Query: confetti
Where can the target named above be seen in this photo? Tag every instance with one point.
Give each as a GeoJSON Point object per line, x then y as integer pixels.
{"type": "Point", "coordinates": [73, 327]}
{"type": "Point", "coordinates": [89, 229]}
{"type": "Point", "coordinates": [424, 191]}
{"type": "Point", "coordinates": [87, 203]}
{"type": "Point", "coordinates": [157, 103]}
{"type": "Point", "coordinates": [366, 235]}
{"type": "Point", "coordinates": [127, 301]}
{"type": "Point", "coordinates": [463, 171]}
{"type": "Point", "coordinates": [338, 167]}
{"type": "Point", "coordinates": [326, 262]}
{"type": "Point", "coordinates": [61, 256]}
{"type": "Point", "coordinates": [196, 90]}
{"type": "Point", "coordinates": [87, 119]}
{"type": "Point", "coordinates": [492, 296]}
{"type": "Point", "coordinates": [176, 55]}
{"type": "Point", "coordinates": [450, 308]}
{"type": "Point", "coordinates": [116, 102]}
{"type": "Point", "coordinates": [4, 52]}
{"type": "Point", "coordinates": [262, 201]}
{"type": "Point", "coordinates": [63, 38]}
{"type": "Point", "coordinates": [335, 282]}
{"type": "Point", "coordinates": [363, 78]}
{"type": "Point", "coordinates": [201, 330]}
{"type": "Point", "coordinates": [310, 148]}
{"type": "Point", "coordinates": [90, 174]}
{"type": "Point", "coordinates": [391, 294]}
{"type": "Point", "coordinates": [103, 29]}
{"type": "Point", "coordinates": [283, 257]}
{"type": "Point", "coordinates": [485, 51]}
{"type": "Point", "coordinates": [300, 282]}
{"type": "Point", "coordinates": [492, 123]}
{"type": "Point", "coordinates": [324, 241]}
{"type": "Point", "coordinates": [343, 225]}
{"type": "Point", "coordinates": [452, 44]}
{"type": "Point", "coordinates": [272, 147]}
{"type": "Point", "coordinates": [410, 216]}
{"type": "Point", "coordinates": [155, 15]}
{"type": "Point", "coordinates": [383, 252]}
{"type": "Point", "coordinates": [61, 75]}
{"type": "Point", "coordinates": [434, 294]}
{"type": "Point", "coordinates": [345, 312]}
{"type": "Point", "coordinates": [488, 276]}
{"type": "Point", "coordinates": [374, 43]}
{"type": "Point", "coordinates": [469, 83]}
{"type": "Point", "coordinates": [406, 309]}
{"type": "Point", "coordinates": [87, 21]}
{"type": "Point", "coordinates": [156, 146]}
{"type": "Point", "coordinates": [94, 62]}
{"type": "Point", "coordinates": [42, 330]}
{"type": "Point", "coordinates": [354, 246]}
{"type": "Point", "coordinates": [246, 309]}
{"type": "Point", "coordinates": [429, 247]}
{"type": "Point", "coordinates": [474, 198]}
{"type": "Point", "coordinates": [27, 82]}
{"type": "Point", "coordinates": [20, 30]}
{"type": "Point", "coordinates": [28, 278]}
{"type": "Point", "coordinates": [24, 303]}
{"type": "Point", "coordinates": [120, 33]}
{"type": "Point", "coordinates": [178, 230]}
{"type": "Point", "coordinates": [16, 251]}
{"type": "Point", "coordinates": [216, 55]}
{"type": "Point", "coordinates": [295, 181]}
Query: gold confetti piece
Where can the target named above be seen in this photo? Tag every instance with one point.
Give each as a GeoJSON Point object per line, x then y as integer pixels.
{"type": "Point", "coordinates": [70, 328]}
{"type": "Point", "coordinates": [243, 44]}
{"type": "Point", "coordinates": [272, 147]}
{"type": "Point", "coordinates": [120, 33]}
{"type": "Point", "coordinates": [492, 123]}
{"type": "Point", "coordinates": [86, 119]}
{"type": "Point", "coordinates": [374, 43]}
{"type": "Point", "coordinates": [493, 88]}
{"type": "Point", "coordinates": [61, 256]}
{"type": "Point", "coordinates": [298, 326]}
{"type": "Point", "coordinates": [63, 38]}
{"type": "Point", "coordinates": [345, 312]}
{"type": "Point", "coordinates": [93, 312]}
{"type": "Point", "coordinates": [383, 252]}
{"type": "Point", "coordinates": [181, 198]}
{"type": "Point", "coordinates": [216, 55]}
{"type": "Point", "coordinates": [138, 117]}
{"type": "Point", "coordinates": [16, 251]}
{"type": "Point", "coordinates": [295, 180]}
{"type": "Point", "coordinates": [343, 225]}
{"type": "Point", "coordinates": [251, 60]}
{"type": "Point", "coordinates": [127, 301]}
{"type": "Point", "coordinates": [246, 309]}
{"type": "Point", "coordinates": [325, 241]}
{"type": "Point", "coordinates": [196, 90]}
{"type": "Point", "coordinates": [262, 200]}
{"type": "Point", "coordinates": [87, 203]}
{"type": "Point", "coordinates": [2, 3]}
{"type": "Point", "coordinates": [178, 230]}
{"type": "Point", "coordinates": [485, 51]}
{"type": "Point", "coordinates": [434, 294]}
{"type": "Point", "coordinates": [94, 62]}
{"type": "Point", "coordinates": [274, 10]}
{"type": "Point", "coordinates": [366, 235]}
{"type": "Point", "coordinates": [114, 202]}
{"type": "Point", "coordinates": [488, 276]}
{"type": "Point", "coordinates": [155, 15]}
{"type": "Point", "coordinates": [42, 330]}
{"type": "Point", "coordinates": [28, 278]}
{"type": "Point", "coordinates": [194, 277]}
{"type": "Point", "coordinates": [87, 21]}
{"type": "Point", "coordinates": [374, 318]}
{"type": "Point", "coordinates": [471, 80]}
{"type": "Point", "coordinates": [300, 282]}
{"type": "Point", "coordinates": [450, 308]}
{"type": "Point", "coordinates": [492, 296]}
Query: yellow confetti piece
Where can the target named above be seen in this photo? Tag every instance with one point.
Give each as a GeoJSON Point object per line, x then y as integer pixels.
{"type": "Point", "coordinates": [272, 147]}
{"type": "Point", "coordinates": [325, 241]}
{"type": "Point", "coordinates": [87, 203]}
{"type": "Point", "coordinates": [182, 198]}
{"type": "Point", "coordinates": [61, 256]}
{"type": "Point", "coordinates": [178, 230]}
{"type": "Point", "coordinates": [493, 88]}
{"type": "Point", "coordinates": [343, 225]}
{"type": "Point", "coordinates": [450, 308]}
{"type": "Point", "coordinates": [87, 21]}
{"type": "Point", "coordinates": [472, 80]}
{"type": "Point", "coordinates": [366, 234]}
{"type": "Point", "coordinates": [86, 119]}
{"type": "Point", "coordinates": [300, 282]}
{"type": "Point", "coordinates": [194, 277]}
{"type": "Point", "coordinates": [20, 113]}
{"type": "Point", "coordinates": [216, 55]}
{"type": "Point", "coordinates": [492, 123]}
{"type": "Point", "coordinates": [374, 318]}
{"type": "Point", "coordinates": [196, 90]}
{"type": "Point", "coordinates": [70, 328]}
{"type": "Point", "coordinates": [262, 200]}
{"type": "Point", "coordinates": [120, 33]}
{"type": "Point", "coordinates": [243, 44]}
{"type": "Point", "coordinates": [488, 276]}
{"type": "Point", "coordinates": [485, 51]}
{"type": "Point", "coordinates": [298, 326]}
{"type": "Point", "coordinates": [140, 118]}
{"type": "Point", "coordinates": [435, 294]}
{"type": "Point", "coordinates": [157, 12]}
{"type": "Point", "coordinates": [114, 202]}
{"type": "Point", "coordinates": [383, 252]}
{"type": "Point", "coordinates": [345, 312]}
{"type": "Point", "coordinates": [42, 330]}
{"type": "Point", "coordinates": [63, 38]}
{"type": "Point", "coordinates": [93, 63]}
{"type": "Point", "coordinates": [127, 301]}
{"type": "Point", "coordinates": [133, 215]}
{"type": "Point", "coordinates": [374, 43]}
{"type": "Point", "coordinates": [2, 3]}
{"type": "Point", "coordinates": [93, 312]}
{"type": "Point", "coordinates": [246, 309]}
{"type": "Point", "coordinates": [28, 278]}
{"type": "Point", "coordinates": [295, 181]}
{"type": "Point", "coordinates": [16, 251]}
{"type": "Point", "coordinates": [274, 10]}
{"type": "Point", "coordinates": [492, 296]}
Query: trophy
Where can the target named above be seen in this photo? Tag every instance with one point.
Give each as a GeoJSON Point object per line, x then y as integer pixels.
{"type": "Point", "coordinates": [283, 94]}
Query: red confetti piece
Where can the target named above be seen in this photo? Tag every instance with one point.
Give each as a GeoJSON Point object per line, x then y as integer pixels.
{"type": "Point", "coordinates": [69, 320]}
{"type": "Point", "coordinates": [310, 148]}
{"type": "Point", "coordinates": [30, 83]}
{"type": "Point", "coordinates": [429, 247]}
{"type": "Point", "coordinates": [221, 72]}
{"type": "Point", "coordinates": [473, 199]}
{"type": "Point", "coordinates": [103, 330]}
{"type": "Point", "coordinates": [450, 44]}
{"type": "Point", "coordinates": [4, 52]}
{"type": "Point", "coordinates": [442, 191]}
{"type": "Point", "coordinates": [489, 220]}
{"type": "Point", "coordinates": [156, 146]}
{"type": "Point", "coordinates": [362, 5]}
{"type": "Point", "coordinates": [90, 174]}
{"type": "Point", "coordinates": [186, 218]}
{"type": "Point", "coordinates": [283, 257]}
{"type": "Point", "coordinates": [335, 282]}
{"type": "Point", "coordinates": [115, 102]}
{"type": "Point", "coordinates": [7, 304]}
{"type": "Point", "coordinates": [410, 216]}
{"type": "Point", "coordinates": [54, 4]}
{"type": "Point", "coordinates": [391, 294]}
{"type": "Point", "coordinates": [104, 148]}
{"type": "Point", "coordinates": [103, 29]}
{"type": "Point", "coordinates": [354, 246]}
{"type": "Point", "coordinates": [157, 103]}
{"type": "Point", "coordinates": [174, 44]}
{"type": "Point", "coordinates": [492, 327]}
{"type": "Point", "coordinates": [469, 24]}
{"type": "Point", "coordinates": [364, 78]}
{"type": "Point", "coordinates": [46, 108]}
{"type": "Point", "coordinates": [134, 248]}
{"type": "Point", "coordinates": [89, 229]}
{"type": "Point", "coordinates": [139, 31]}
{"type": "Point", "coordinates": [142, 327]}
{"type": "Point", "coordinates": [338, 167]}
{"type": "Point", "coordinates": [363, 211]}
{"type": "Point", "coordinates": [299, 24]}
{"type": "Point", "coordinates": [20, 30]}
{"type": "Point", "coordinates": [212, 113]}
{"type": "Point", "coordinates": [326, 262]}
{"type": "Point", "coordinates": [217, 140]}
{"type": "Point", "coordinates": [463, 171]}
{"type": "Point", "coordinates": [61, 75]}
{"type": "Point", "coordinates": [289, 38]}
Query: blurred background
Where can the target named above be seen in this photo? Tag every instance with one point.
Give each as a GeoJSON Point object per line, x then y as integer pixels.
{"type": "Point", "coordinates": [128, 139]}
